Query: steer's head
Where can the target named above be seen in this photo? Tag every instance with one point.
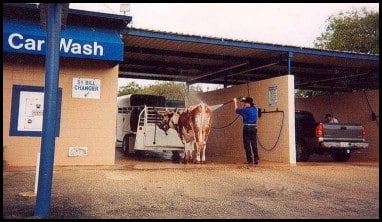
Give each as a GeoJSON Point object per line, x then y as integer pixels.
{"type": "Point", "coordinates": [165, 123]}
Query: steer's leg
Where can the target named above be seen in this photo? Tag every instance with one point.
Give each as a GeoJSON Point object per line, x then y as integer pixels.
{"type": "Point", "coordinates": [191, 156]}
{"type": "Point", "coordinates": [187, 152]}
{"type": "Point", "coordinates": [198, 149]}
{"type": "Point", "coordinates": [204, 153]}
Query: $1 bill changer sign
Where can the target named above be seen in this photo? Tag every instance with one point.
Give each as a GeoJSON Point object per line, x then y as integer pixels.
{"type": "Point", "coordinates": [86, 88]}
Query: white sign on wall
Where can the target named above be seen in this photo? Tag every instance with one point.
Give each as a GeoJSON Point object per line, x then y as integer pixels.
{"type": "Point", "coordinates": [272, 93]}
{"type": "Point", "coordinates": [31, 109]}
{"type": "Point", "coordinates": [86, 88]}
{"type": "Point", "coordinates": [78, 151]}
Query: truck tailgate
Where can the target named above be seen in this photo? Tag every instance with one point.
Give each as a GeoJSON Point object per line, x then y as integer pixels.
{"type": "Point", "coordinates": [342, 132]}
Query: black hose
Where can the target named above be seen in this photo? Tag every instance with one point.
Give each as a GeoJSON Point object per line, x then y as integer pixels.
{"type": "Point", "coordinates": [229, 101]}
{"type": "Point", "coordinates": [367, 100]}
{"type": "Point", "coordinates": [226, 125]}
{"type": "Point", "coordinates": [278, 137]}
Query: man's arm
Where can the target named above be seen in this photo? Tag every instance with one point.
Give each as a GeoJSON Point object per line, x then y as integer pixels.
{"type": "Point", "coordinates": [235, 104]}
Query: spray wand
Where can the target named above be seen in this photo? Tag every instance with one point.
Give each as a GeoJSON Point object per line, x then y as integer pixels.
{"type": "Point", "coordinates": [215, 107]}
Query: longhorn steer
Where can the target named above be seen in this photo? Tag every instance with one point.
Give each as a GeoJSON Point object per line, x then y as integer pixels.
{"type": "Point", "coordinates": [193, 126]}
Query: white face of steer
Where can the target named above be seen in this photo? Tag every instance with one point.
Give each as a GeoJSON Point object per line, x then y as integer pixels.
{"type": "Point", "coordinates": [169, 118]}
{"type": "Point", "coordinates": [164, 125]}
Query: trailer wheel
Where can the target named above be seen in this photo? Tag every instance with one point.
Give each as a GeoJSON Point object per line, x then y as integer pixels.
{"type": "Point", "coordinates": [340, 155]}
{"type": "Point", "coordinates": [139, 153]}
{"type": "Point", "coordinates": [175, 154]}
{"type": "Point", "coordinates": [125, 144]}
{"type": "Point", "coordinates": [302, 151]}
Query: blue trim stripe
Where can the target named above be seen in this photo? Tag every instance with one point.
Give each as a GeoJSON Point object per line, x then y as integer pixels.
{"type": "Point", "coordinates": [231, 43]}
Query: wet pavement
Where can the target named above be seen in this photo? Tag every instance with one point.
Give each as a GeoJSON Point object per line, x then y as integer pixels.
{"type": "Point", "coordinates": [157, 185]}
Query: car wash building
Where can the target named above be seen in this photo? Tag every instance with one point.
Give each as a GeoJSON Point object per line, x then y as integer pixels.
{"type": "Point", "coordinates": [96, 49]}
{"type": "Point", "coordinates": [90, 51]}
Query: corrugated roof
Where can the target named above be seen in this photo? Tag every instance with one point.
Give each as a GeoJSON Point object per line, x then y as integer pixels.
{"type": "Point", "coordinates": [165, 55]}
{"type": "Point", "coordinates": [222, 38]}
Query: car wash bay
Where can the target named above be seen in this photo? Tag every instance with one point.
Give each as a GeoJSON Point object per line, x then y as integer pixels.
{"type": "Point", "coordinates": [269, 73]}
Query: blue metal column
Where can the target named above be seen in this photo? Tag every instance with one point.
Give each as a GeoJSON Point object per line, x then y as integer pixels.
{"type": "Point", "coordinates": [52, 63]}
{"type": "Point", "coordinates": [290, 56]}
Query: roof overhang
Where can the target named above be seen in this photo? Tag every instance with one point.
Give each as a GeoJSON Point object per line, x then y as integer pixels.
{"type": "Point", "coordinates": [197, 59]}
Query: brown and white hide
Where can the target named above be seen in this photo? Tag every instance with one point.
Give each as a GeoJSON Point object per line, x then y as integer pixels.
{"type": "Point", "coordinates": [193, 126]}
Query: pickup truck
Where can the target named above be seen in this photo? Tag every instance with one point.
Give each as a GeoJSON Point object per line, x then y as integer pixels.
{"type": "Point", "coordinates": [337, 139]}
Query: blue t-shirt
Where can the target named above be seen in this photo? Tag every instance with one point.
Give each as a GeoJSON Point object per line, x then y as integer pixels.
{"type": "Point", "coordinates": [249, 114]}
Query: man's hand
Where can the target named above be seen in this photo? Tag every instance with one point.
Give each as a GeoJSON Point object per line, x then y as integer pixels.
{"type": "Point", "coordinates": [235, 100]}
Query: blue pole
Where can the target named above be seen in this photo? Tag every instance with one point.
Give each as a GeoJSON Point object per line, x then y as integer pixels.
{"type": "Point", "coordinates": [52, 63]}
{"type": "Point", "coordinates": [290, 56]}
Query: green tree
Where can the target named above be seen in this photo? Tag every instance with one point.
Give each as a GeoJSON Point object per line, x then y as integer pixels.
{"type": "Point", "coordinates": [355, 30]}
{"type": "Point", "coordinates": [131, 88]}
{"type": "Point", "coordinates": [170, 90]}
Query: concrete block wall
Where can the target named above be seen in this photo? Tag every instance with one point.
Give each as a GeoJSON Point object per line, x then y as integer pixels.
{"type": "Point", "coordinates": [228, 141]}
{"type": "Point", "coordinates": [84, 122]}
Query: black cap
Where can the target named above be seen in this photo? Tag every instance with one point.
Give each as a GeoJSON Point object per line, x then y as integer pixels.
{"type": "Point", "coordinates": [247, 100]}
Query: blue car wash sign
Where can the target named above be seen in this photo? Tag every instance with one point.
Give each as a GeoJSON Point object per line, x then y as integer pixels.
{"type": "Point", "coordinates": [78, 42]}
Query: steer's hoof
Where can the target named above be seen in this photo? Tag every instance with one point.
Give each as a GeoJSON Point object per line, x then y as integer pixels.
{"type": "Point", "coordinates": [198, 162]}
{"type": "Point", "coordinates": [203, 162]}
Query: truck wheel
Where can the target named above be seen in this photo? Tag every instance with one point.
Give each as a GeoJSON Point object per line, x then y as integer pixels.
{"type": "Point", "coordinates": [302, 152]}
{"type": "Point", "coordinates": [125, 144]}
{"type": "Point", "coordinates": [340, 155]}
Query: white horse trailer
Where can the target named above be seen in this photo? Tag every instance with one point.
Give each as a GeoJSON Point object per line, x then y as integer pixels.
{"type": "Point", "coordinates": [137, 125]}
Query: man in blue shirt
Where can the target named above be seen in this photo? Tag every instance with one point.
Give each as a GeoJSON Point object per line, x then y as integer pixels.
{"type": "Point", "coordinates": [249, 114]}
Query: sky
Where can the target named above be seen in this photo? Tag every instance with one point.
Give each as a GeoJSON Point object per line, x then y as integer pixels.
{"type": "Point", "coordinates": [292, 24]}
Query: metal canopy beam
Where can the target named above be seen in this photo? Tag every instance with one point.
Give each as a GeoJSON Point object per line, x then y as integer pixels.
{"type": "Point", "coordinates": [182, 54]}
{"type": "Point", "coordinates": [193, 80]}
